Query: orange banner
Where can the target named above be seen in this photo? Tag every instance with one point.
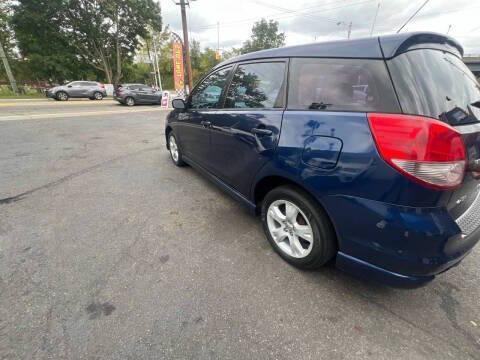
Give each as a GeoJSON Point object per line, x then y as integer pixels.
{"type": "Point", "coordinates": [178, 73]}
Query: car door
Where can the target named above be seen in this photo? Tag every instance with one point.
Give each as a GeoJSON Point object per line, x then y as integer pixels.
{"type": "Point", "coordinates": [145, 94]}
{"type": "Point", "coordinates": [244, 134]}
{"type": "Point", "coordinates": [194, 123]}
{"type": "Point", "coordinates": [75, 89]}
{"type": "Point", "coordinates": [85, 88]}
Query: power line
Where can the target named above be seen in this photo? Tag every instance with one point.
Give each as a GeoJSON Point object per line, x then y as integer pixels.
{"type": "Point", "coordinates": [411, 17]}
{"type": "Point", "coordinates": [293, 13]}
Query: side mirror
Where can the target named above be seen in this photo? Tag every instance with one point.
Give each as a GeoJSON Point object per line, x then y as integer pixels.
{"type": "Point", "coordinates": [179, 104]}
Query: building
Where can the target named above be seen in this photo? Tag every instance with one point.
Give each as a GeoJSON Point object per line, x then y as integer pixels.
{"type": "Point", "coordinates": [473, 63]}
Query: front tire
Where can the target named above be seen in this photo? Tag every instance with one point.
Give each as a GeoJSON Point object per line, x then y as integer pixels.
{"type": "Point", "coordinates": [298, 228]}
{"type": "Point", "coordinates": [61, 96]}
{"type": "Point", "coordinates": [175, 153]}
{"type": "Point", "coordinates": [129, 101]}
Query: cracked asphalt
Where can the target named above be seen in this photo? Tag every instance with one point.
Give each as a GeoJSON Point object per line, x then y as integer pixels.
{"type": "Point", "coordinates": [108, 251]}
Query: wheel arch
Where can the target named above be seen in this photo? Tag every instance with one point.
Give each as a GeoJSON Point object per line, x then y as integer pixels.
{"type": "Point", "coordinates": [270, 182]}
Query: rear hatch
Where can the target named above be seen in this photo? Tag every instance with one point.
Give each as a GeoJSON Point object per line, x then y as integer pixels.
{"type": "Point", "coordinates": [437, 84]}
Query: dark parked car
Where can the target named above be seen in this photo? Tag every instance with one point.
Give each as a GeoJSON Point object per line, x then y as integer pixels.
{"type": "Point", "coordinates": [78, 89]}
{"type": "Point", "coordinates": [365, 152]}
{"type": "Point", "coordinates": [132, 94]}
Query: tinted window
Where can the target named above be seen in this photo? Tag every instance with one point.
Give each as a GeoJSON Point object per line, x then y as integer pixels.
{"type": "Point", "coordinates": [145, 88]}
{"type": "Point", "coordinates": [207, 95]}
{"type": "Point", "coordinates": [436, 84]}
{"type": "Point", "coordinates": [341, 85]}
{"type": "Point", "coordinates": [258, 85]}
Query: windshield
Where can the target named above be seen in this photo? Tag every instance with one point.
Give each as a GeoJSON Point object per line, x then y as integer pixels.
{"type": "Point", "coordinates": [436, 84]}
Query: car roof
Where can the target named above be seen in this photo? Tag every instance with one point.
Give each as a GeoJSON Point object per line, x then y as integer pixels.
{"type": "Point", "coordinates": [381, 47]}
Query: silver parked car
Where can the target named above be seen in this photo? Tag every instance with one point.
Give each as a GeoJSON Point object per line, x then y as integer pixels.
{"type": "Point", "coordinates": [132, 94]}
{"type": "Point", "coordinates": [78, 89]}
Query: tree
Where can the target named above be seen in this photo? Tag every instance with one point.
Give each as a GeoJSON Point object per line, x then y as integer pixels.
{"type": "Point", "coordinates": [105, 33]}
{"type": "Point", "coordinates": [43, 46]}
{"type": "Point", "coordinates": [6, 43]}
{"type": "Point", "coordinates": [265, 35]}
{"type": "Point", "coordinates": [80, 37]}
{"type": "Point", "coordinates": [202, 61]}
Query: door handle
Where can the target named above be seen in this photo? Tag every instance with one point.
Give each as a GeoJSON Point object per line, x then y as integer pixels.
{"type": "Point", "coordinates": [260, 131]}
{"type": "Point", "coordinates": [205, 123]}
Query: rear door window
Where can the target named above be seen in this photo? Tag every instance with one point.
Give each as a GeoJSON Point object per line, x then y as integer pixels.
{"type": "Point", "coordinates": [436, 84]}
{"type": "Point", "coordinates": [257, 86]}
{"type": "Point", "coordinates": [341, 85]}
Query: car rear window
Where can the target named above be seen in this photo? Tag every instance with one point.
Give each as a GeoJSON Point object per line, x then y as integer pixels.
{"type": "Point", "coordinates": [341, 85]}
{"type": "Point", "coordinates": [436, 84]}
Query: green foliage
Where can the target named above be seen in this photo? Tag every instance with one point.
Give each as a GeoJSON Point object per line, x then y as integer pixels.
{"type": "Point", "coordinates": [265, 35]}
{"type": "Point", "coordinates": [24, 91]}
{"type": "Point", "coordinates": [202, 61]}
{"type": "Point", "coordinates": [73, 39]}
{"type": "Point", "coordinates": [6, 32]}
{"type": "Point", "coordinates": [44, 49]}
{"type": "Point", "coordinates": [105, 33]}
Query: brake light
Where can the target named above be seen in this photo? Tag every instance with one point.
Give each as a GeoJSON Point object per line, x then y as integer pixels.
{"type": "Point", "coordinates": [426, 150]}
{"type": "Point", "coordinates": [102, 86]}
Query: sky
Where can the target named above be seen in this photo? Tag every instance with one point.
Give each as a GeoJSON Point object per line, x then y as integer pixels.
{"type": "Point", "coordinates": [306, 21]}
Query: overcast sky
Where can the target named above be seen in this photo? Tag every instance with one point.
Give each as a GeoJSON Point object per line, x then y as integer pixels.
{"type": "Point", "coordinates": [305, 21]}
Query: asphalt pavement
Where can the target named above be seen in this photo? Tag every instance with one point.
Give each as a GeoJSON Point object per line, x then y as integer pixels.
{"type": "Point", "coordinates": [108, 251]}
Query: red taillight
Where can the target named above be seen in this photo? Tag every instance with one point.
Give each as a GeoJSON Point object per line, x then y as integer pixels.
{"type": "Point", "coordinates": [102, 86]}
{"type": "Point", "coordinates": [426, 150]}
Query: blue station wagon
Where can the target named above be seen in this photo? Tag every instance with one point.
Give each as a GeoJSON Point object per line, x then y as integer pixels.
{"type": "Point", "coordinates": [363, 152]}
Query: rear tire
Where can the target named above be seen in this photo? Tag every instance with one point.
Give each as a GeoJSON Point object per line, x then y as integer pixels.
{"type": "Point", "coordinates": [129, 101]}
{"type": "Point", "coordinates": [175, 153]}
{"type": "Point", "coordinates": [98, 95]}
{"type": "Point", "coordinates": [61, 96]}
{"type": "Point", "coordinates": [298, 228]}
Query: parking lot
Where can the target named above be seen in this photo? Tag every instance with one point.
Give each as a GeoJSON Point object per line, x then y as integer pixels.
{"type": "Point", "coordinates": [107, 250]}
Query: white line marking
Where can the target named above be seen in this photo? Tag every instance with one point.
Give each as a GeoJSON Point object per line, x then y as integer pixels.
{"type": "Point", "coordinates": [76, 114]}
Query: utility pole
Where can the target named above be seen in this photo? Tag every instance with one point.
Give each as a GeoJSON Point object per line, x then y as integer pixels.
{"type": "Point", "coordinates": [13, 83]}
{"type": "Point", "coordinates": [157, 71]}
{"type": "Point", "coordinates": [349, 27]}
{"type": "Point", "coordinates": [374, 19]}
{"type": "Point", "coordinates": [186, 45]}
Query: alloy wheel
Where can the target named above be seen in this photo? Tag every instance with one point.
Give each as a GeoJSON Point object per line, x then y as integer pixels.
{"type": "Point", "coordinates": [130, 101]}
{"type": "Point", "coordinates": [290, 228]}
{"type": "Point", "coordinates": [173, 148]}
{"type": "Point", "coordinates": [62, 96]}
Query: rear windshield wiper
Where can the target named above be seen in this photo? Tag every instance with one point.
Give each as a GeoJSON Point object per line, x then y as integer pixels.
{"type": "Point", "coordinates": [320, 105]}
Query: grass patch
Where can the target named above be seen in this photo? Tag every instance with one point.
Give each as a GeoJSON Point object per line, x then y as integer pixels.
{"type": "Point", "coordinates": [25, 92]}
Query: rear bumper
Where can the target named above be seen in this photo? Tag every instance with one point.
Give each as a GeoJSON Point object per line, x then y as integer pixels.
{"type": "Point", "coordinates": [370, 272]}
{"type": "Point", "coordinates": [397, 245]}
